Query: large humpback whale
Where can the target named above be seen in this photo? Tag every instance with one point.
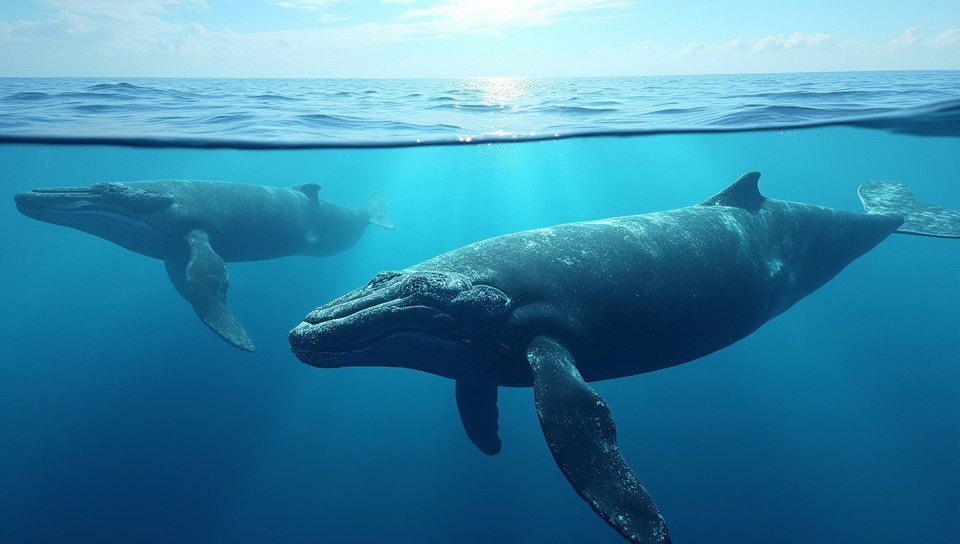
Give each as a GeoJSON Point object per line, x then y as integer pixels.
{"type": "Point", "coordinates": [558, 307]}
{"type": "Point", "coordinates": [196, 226]}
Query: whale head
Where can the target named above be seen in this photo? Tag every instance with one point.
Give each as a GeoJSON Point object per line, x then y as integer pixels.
{"type": "Point", "coordinates": [118, 212]}
{"type": "Point", "coordinates": [436, 321]}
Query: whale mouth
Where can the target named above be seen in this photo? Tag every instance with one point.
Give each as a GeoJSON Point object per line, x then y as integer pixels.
{"type": "Point", "coordinates": [118, 212]}
{"type": "Point", "coordinates": [408, 308]}
{"type": "Point", "coordinates": [99, 197]}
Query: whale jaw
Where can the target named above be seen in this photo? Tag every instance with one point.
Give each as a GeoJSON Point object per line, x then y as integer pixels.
{"type": "Point", "coordinates": [433, 321]}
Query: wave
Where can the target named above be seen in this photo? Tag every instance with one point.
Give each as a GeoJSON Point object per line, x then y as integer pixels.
{"type": "Point", "coordinates": [576, 110]}
{"type": "Point", "coordinates": [336, 113]}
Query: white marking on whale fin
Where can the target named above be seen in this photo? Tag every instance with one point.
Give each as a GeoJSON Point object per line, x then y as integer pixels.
{"type": "Point", "coordinates": [582, 437]}
{"type": "Point", "coordinates": [743, 193]}
{"type": "Point", "coordinates": [312, 191]}
{"type": "Point", "coordinates": [896, 199]}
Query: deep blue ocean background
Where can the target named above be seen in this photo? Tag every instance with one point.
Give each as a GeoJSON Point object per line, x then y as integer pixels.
{"type": "Point", "coordinates": [124, 419]}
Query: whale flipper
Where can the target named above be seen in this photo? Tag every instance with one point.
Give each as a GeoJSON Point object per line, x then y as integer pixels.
{"type": "Point", "coordinates": [477, 404]}
{"type": "Point", "coordinates": [203, 281]}
{"type": "Point", "coordinates": [582, 437]}
{"type": "Point", "coordinates": [377, 205]}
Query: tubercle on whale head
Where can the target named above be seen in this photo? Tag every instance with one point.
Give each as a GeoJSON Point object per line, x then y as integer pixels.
{"type": "Point", "coordinates": [424, 310]}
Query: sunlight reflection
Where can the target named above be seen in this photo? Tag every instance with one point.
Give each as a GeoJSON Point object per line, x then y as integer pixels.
{"type": "Point", "coordinates": [496, 100]}
{"type": "Point", "coordinates": [505, 92]}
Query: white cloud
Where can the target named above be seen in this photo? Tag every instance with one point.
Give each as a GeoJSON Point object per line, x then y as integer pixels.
{"type": "Point", "coordinates": [695, 47]}
{"type": "Point", "coordinates": [647, 46]}
{"type": "Point", "coordinates": [17, 32]}
{"type": "Point", "coordinates": [947, 38]}
{"type": "Point", "coordinates": [798, 40]}
{"type": "Point", "coordinates": [778, 42]}
{"type": "Point", "coordinates": [913, 38]}
{"type": "Point", "coordinates": [174, 37]}
{"type": "Point", "coordinates": [307, 5]}
{"type": "Point", "coordinates": [134, 19]}
{"type": "Point", "coordinates": [910, 37]}
{"type": "Point", "coordinates": [739, 45]}
{"type": "Point", "coordinates": [492, 16]}
{"type": "Point", "coordinates": [129, 9]}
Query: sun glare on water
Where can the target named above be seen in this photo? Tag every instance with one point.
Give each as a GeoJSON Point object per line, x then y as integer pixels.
{"type": "Point", "coordinates": [505, 92]}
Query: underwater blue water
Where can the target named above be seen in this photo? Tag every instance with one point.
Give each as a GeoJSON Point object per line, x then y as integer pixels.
{"type": "Point", "coordinates": [124, 419]}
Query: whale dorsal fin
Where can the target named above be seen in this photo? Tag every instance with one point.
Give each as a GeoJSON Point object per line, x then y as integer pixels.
{"type": "Point", "coordinates": [582, 437]}
{"type": "Point", "coordinates": [311, 190]}
{"type": "Point", "coordinates": [743, 193]}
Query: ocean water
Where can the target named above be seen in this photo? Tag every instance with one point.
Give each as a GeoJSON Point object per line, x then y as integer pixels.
{"type": "Point", "coordinates": [124, 419]}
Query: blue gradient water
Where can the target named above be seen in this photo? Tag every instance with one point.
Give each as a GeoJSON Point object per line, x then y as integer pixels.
{"type": "Point", "coordinates": [124, 419]}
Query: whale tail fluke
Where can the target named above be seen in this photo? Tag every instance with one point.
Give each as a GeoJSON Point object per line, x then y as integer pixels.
{"type": "Point", "coordinates": [377, 205]}
{"type": "Point", "coordinates": [892, 198]}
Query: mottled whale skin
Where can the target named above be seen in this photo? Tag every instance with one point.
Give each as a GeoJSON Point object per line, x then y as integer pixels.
{"type": "Point", "coordinates": [558, 307]}
{"type": "Point", "coordinates": [196, 226]}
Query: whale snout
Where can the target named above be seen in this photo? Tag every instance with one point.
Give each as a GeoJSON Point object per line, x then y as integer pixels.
{"type": "Point", "coordinates": [436, 303]}
{"type": "Point", "coordinates": [38, 202]}
{"type": "Point", "coordinates": [117, 198]}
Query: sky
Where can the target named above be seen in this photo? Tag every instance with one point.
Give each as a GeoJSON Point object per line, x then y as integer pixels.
{"type": "Point", "coordinates": [469, 38]}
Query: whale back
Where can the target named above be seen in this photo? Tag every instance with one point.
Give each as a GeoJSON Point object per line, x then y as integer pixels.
{"type": "Point", "coordinates": [638, 293]}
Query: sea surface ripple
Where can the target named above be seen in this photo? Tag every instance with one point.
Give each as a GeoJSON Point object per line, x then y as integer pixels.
{"type": "Point", "coordinates": [395, 112]}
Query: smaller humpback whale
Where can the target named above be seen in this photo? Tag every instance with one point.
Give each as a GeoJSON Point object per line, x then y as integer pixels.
{"type": "Point", "coordinates": [556, 308]}
{"type": "Point", "coordinates": [196, 226]}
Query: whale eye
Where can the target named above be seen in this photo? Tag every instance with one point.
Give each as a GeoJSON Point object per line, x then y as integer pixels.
{"type": "Point", "coordinates": [438, 286]}
{"type": "Point", "coordinates": [420, 284]}
{"type": "Point", "coordinates": [482, 300]}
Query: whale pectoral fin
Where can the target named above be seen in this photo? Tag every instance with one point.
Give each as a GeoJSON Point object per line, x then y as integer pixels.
{"type": "Point", "coordinates": [582, 437]}
{"type": "Point", "coordinates": [204, 285]}
{"type": "Point", "coordinates": [477, 404]}
{"type": "Point", "coordinates": [377, 205]}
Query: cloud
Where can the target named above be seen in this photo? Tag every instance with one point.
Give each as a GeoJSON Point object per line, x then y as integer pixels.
{"type": "Point", "coordinates": [493, 16]}
{"type": "Point", "coordinates": [20, 32]}
{"type": "Point", "coordinates": [72, 19]}
{"type": "Point", "coordinates": [913, 37]}
{"type": "Point", "coordinates": [778, 42]}
{"type": "Point", "coordinates": [176, 37]}
{"type": "Point", "coordinates": [126, 10]}
{"type": "Point", "coordinates": [798, 40]}
{"type": "Point", "coordinates": [307, 5]}
{"type": "Point", "coordinates": [320, 9]}
{"type": "Point", "coordinates": [739, 45]}
{"type": "Point", "coordinates": [910, 37]}
{"type": "Point", "coordinates": [647, 46]}
{"type": "Point", "coordinates": [696, 47]}
{"type": "Point", "coordinates": [947, 38]}
{"type": "Point", "coordinates": [92, 32]}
